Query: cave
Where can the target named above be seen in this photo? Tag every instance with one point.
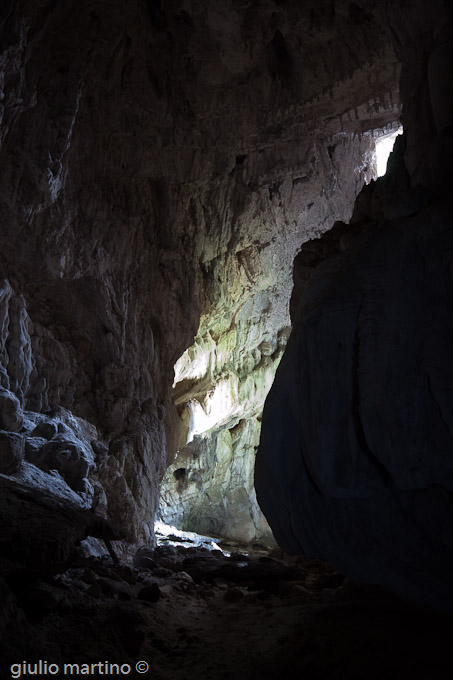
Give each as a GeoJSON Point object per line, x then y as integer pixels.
{"type": "Point", "coordinates": [225, 339]}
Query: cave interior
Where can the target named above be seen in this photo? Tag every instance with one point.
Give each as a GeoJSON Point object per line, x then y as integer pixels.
{"type": "Point", "coordinates": [226, 318]}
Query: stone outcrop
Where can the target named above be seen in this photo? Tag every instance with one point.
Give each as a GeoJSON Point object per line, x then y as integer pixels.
{"type": "Point", "coordinates": [11, 452]}
{"type": "Point", "coordinates": [39, 531]}
{"type": "Point", "coordinates": [354, 461]}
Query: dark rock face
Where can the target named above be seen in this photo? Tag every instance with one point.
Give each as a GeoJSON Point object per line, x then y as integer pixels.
{"type": "Point", "coordinates": [11, 452]}
{"type": "Point", "coordinates": [64, 455]}
{"type": "Point", "coordinates": [357, 429]}
{"type": "Point", "coordinates": [355, 459]}
{"type": "Point", "coordinates": [85, 309]}
{"type": "Point", "coordinates": [11, 416]}
{"type": "Point", "coordinates": [39, 531]}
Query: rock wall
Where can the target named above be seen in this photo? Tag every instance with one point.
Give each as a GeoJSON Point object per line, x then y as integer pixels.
{"type": "Point", "coordinates": [292, 179]}
{"type": "Point", "coordinates": [152, 154]}
{"type": "Point", "coordinates": [89, 235]}
{"type": "Point", "coordinates": [223, 378]}
{"type": "Point", "coordinates": [354, 462]}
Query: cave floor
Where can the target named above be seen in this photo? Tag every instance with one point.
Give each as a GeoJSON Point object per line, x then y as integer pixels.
{"type": "Point", "coordinates": [195, 614]}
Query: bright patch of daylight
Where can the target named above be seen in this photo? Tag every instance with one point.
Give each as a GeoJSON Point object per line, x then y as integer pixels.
{"type": "Point", "coordinates": [384, 147]}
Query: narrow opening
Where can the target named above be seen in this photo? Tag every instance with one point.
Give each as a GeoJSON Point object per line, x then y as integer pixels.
{"type": "Point", "coordinates": [384, 147]}
{"type": "Point", "coordinates": [222, 380]}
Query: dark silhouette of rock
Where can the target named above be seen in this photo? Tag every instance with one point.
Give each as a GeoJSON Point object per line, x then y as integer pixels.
{"type": "Point", "coordinates": [143, 559]}
{"type": "Point", "coordinates": [12, 448]}
{"type": "Point", "coordinates": [39, 531]}
{"type": "Point", "coordinates": [66, 456]}
{"type": "Point", "coordinates": [11, 415]}
{"type": "Point", "coordinates": [355, 459]}
{"type": "Point", "coordinates": [45, 430]}
{"type": "Point", "coordinates": [150, 593]}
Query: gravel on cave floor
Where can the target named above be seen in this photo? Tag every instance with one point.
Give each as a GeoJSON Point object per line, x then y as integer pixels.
{"type": "Point", "coordinates": [194, 613]}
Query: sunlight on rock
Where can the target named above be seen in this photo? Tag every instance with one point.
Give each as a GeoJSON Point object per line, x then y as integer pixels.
{"type": "Point", "coordinates": [169, 535]}
{"type": "Point", "coordinates": [384, 147]}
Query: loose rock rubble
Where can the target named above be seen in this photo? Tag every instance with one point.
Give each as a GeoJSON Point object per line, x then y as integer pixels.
{"type": "Point", "coordinates": [197, 613]}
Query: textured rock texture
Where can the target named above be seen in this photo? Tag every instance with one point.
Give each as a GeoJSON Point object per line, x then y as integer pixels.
{"type": "Point", "coordinates": [354, 461]}
{"type": "Point", "coordinates": [157, 159]}
{"type": "Point", "coordinates": [293, 175]}
{"type": "Point", "coordinates": [39, 531]}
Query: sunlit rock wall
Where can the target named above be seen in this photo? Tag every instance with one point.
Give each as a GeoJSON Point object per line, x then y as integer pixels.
{"type": "Point", "coordinates": [291, 181]}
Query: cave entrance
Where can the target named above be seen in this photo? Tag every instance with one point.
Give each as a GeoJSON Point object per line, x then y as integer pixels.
{"type": "Point", "coordinates": [220, 408]}
{"type": "Point", "coordinates": [384, 147]}
{"type": "Point", "coordinates": [222, 380]}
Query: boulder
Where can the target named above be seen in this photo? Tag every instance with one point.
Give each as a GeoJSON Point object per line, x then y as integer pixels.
{"type": "Point", "coordinates": [46, 429]}
{"type": "Point", "coordinates": [143, 559]}
{"type": "Point", "coordinates": [67, 457]}
{"type": "Point", "coordinates": [11, 452]}
{"type": "Point", "coordinates": [11, 415]}
{"type": "Point", "coordinates": [39, 532]}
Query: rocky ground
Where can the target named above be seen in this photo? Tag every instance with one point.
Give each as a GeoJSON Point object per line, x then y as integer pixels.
{"type": "Point", "coordinates": [193, 612]}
